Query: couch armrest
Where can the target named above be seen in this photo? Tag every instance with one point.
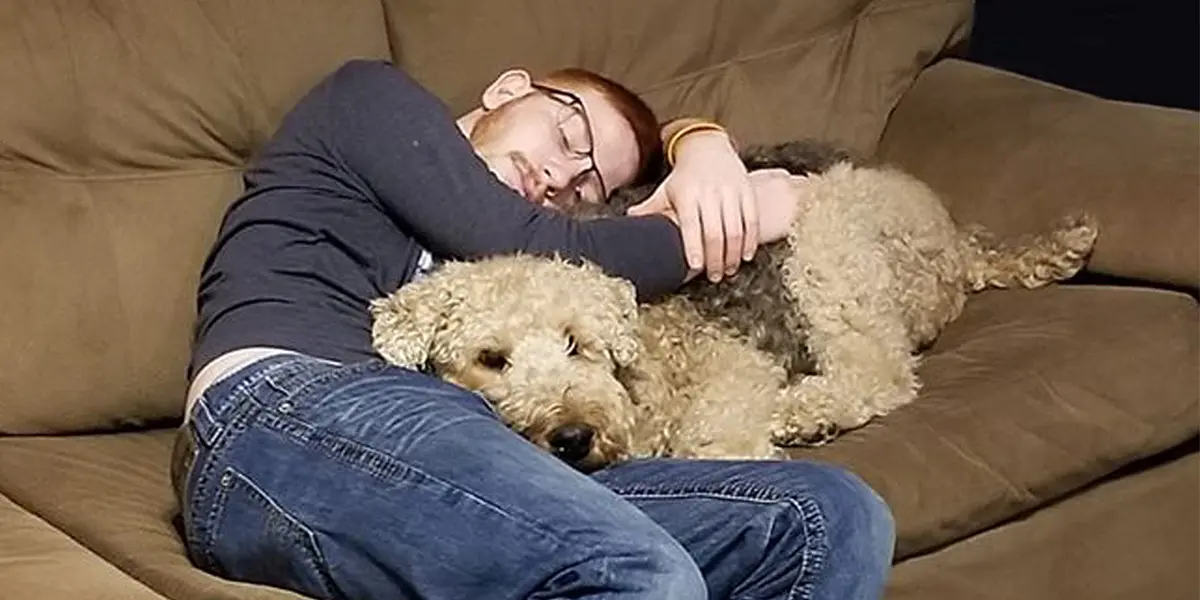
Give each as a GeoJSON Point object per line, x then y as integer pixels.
{"type": "Point", "coordinates": [1014, 153]}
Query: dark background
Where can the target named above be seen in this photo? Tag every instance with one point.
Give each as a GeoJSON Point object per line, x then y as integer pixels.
{"type": "Point", "coordinates": [1146, 51]}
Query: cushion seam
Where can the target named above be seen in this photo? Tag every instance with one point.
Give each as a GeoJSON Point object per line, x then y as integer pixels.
{"type": "Point", "coordinates": [8, 173]}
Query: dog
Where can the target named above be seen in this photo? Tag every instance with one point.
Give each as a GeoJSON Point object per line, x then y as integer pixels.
{"type": "Point", "coordinates": [816, 336]}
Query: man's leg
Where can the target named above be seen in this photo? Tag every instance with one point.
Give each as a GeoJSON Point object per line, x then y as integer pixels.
{"type": "Point", "coordinates": [371, 482]}
{"type": "Point", "coordinates": [374, 482]}
{"type": "Point", "coordinates": [767, 530]}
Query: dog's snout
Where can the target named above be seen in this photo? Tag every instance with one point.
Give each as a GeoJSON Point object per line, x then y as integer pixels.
{"type": "Point", "coordinates": [572, 442]}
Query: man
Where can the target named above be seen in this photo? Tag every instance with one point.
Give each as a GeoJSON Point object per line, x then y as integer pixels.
{"type": "Point", "coordinates": [306, 463]}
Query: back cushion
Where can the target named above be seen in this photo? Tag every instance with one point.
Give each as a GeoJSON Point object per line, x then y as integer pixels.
{"type": "Point", "coordinates": [770, 69]}
{"type": "Point", "coordinates": [124, 125]}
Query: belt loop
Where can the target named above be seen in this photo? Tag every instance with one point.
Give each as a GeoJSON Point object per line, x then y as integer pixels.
{"type": "Point", "coordinates": [204, 424]}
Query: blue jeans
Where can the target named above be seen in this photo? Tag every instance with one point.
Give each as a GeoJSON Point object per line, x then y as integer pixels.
{"type": "Point", "coordinates": [368, 481]}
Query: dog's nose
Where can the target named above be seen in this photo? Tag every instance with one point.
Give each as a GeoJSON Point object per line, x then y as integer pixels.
{"type": "Point", "coordinates": [571, 442]}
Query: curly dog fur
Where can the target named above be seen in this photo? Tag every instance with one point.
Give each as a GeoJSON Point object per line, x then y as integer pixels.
{"type": "Point", "coordinates": [819, 334]}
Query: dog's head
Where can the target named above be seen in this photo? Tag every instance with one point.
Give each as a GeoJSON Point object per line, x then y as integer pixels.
{"type": "Point", "coordinates": [542, 340]}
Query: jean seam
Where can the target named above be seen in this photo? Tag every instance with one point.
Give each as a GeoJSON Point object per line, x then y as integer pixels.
{"type": "Point", "coordinates": [813, 562]}
{"type": "Point", "coordinates": [812, 519]}
{"type": "Point", "coordinates": [332, 375]}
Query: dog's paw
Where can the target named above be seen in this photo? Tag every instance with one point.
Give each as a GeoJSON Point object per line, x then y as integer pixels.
{"type": "Point", "coordinates": [797, 429]}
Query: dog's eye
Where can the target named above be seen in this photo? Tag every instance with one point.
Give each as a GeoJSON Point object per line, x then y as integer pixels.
{"type": "Point", "coordinates": [572, 348]}
{"type": "Point", "coordinates": [494, 360]}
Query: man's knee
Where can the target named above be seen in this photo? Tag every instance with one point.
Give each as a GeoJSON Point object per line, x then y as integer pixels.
{"type": "Point", "coordinates": [855, 517]}
{"type": "Point", "coordinates": [833, 534]}
{"type": "Point", "coordinates": [856, 522]}
{"type": "Point", "coordinates": [869, 523]}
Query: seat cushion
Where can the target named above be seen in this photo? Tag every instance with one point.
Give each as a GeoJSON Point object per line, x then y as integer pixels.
{"type": "Point", "coordinates": [1129, 537]}
{"type": "Point", "coordinates": [112, 493]}
{"type": "Point", "coordinates": [39, 561]}
{"type": "Point", "coordinates": [1029, 395]}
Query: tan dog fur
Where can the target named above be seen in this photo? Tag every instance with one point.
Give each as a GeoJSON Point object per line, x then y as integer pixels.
{"type": "Point", "coordinates": [875, 267]}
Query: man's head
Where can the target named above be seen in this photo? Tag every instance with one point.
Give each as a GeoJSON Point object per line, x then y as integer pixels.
{"type": "Point", "coordinates": [570, 136]}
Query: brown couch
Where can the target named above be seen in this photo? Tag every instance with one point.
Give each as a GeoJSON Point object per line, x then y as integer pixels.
{"type": "Point", "coordinates": [1053, 451]}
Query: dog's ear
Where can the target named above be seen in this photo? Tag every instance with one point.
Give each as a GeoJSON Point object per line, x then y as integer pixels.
{"type": "Point", "coordinates": [406, 321]}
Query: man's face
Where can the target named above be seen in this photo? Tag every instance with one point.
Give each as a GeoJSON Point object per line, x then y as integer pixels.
{"type": "Point", "coordinates": [553, 145]}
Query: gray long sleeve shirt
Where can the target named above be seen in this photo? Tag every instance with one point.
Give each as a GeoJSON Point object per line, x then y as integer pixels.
{"type": "Point", "coordinates": [364, 175]}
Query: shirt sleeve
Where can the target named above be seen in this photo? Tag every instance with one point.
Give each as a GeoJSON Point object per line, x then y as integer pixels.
{"type": "Point", "coordinates": [404, 149]}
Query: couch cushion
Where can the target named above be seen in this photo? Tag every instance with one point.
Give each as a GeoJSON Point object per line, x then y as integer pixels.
{"type": "Point", "coordinates": [97, 279]}
{"type": "Point", "coordinates": [1029, 395]}
{"type": "Point", "coordinates": [771, 69]}
{"type": "Point", "coordinates": [39, 561]}
{"type": "Point", "coordinates": [1129, 537]}
{"type": "Point", "coordinates": [112, 493]}
{"type": "Point", "coordinates": [122, 127]}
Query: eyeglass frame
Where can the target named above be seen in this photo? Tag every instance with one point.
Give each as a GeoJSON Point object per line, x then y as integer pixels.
{"type": "Point", "coordinates": [573, 101]}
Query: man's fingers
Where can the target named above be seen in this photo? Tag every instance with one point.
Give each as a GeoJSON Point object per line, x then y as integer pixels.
{"type": "Point", "coordinates": [714, 236]}
{"type": "Point", "coordinates": [750, 221]}
{"type": "Point", "coordinates": [689, 226]}
{"type": "Point", "coordinates": [731, 213]}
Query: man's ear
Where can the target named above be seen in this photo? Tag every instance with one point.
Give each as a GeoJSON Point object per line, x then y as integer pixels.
{"type": "Point", "coordinates": [405, 322]}
{"type": "Point", "coordinates": [510, 85]}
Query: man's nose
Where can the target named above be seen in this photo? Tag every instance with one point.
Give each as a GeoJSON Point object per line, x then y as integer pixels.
{"type": "Point", "coordinates": [542, 186]}
{"type": "Point", "coordinates": [556, 176]}
{"type": "Point", "coordinates": [546, 184]}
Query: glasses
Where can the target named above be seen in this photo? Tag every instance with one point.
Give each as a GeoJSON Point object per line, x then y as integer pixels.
{"type": "Point", "coordinates": [576, 141]}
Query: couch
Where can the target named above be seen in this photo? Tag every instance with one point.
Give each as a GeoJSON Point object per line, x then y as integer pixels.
{"type": "Point", "coordinates": [1052, 453]}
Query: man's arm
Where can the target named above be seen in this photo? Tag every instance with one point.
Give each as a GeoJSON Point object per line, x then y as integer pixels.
{"type": "Point", "coordinates": [703, 186]}
{"type": "Point", "coordinates": [404, 150]}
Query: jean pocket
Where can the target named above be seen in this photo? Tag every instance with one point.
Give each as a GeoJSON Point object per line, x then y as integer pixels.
{"type": "Point", "coordinates": [253, 539]}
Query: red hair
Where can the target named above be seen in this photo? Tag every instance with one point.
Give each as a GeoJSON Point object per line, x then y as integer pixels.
{"type": "Point", "coordinates": [640, 116]}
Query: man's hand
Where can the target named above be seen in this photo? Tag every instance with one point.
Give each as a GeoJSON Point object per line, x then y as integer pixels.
{"type": "Point", "coordinates": [779, 195]}
{"type": "Point", "coordinates": [709, 196]}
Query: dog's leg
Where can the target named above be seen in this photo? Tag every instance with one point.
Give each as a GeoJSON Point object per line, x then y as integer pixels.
{"type": "Point", "coordinates": [846, 291]}
{"type": "Point", "coordinates": [729, 413]}
{"type": "Point", "coordinates": [726, 401]}
{"type": "Point", "coordinates": [864, 374]}
{"type": "Point", "coordinates": [865, 364]}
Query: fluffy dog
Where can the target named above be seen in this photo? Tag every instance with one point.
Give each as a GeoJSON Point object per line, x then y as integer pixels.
{"type": "Point", "coordinates": [818, 335]}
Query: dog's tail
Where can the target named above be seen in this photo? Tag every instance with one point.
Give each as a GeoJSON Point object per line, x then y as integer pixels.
{"type": "Point", "coordinates": [1029, 261]}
